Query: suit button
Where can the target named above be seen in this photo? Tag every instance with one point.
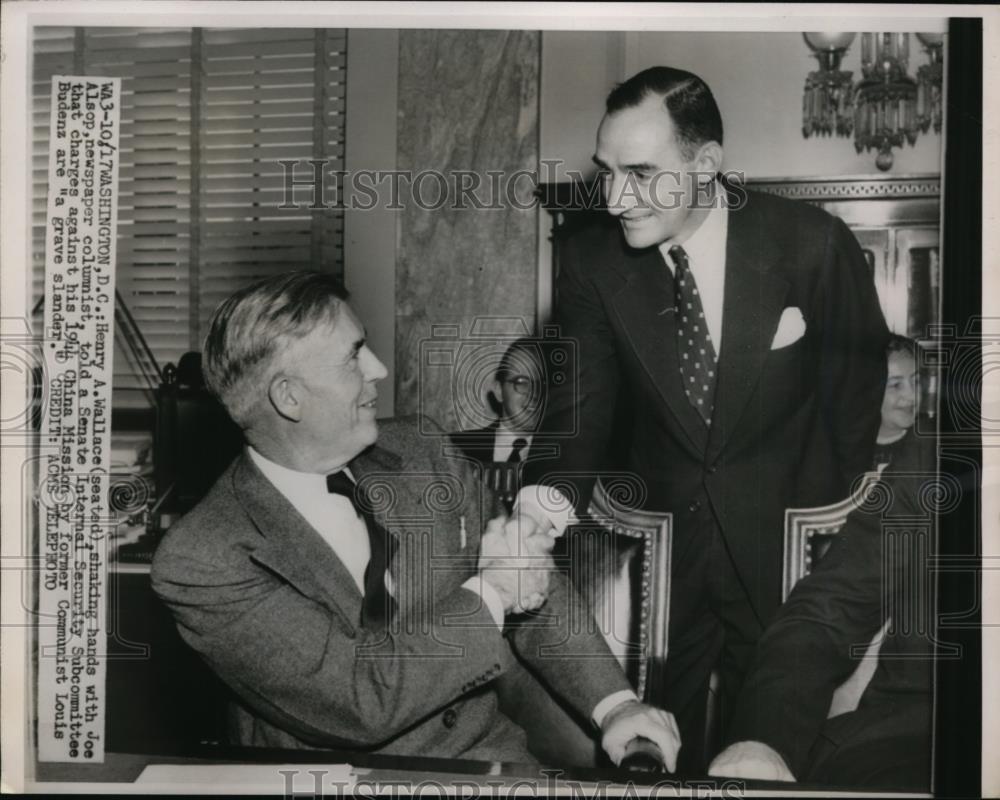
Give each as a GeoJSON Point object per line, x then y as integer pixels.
{"type": "Point", "coordinates": [694, 506]}
{"type": "Point", "coordinates": [449, 718]}
{"type": "Point", "coordinates": [713, 469]}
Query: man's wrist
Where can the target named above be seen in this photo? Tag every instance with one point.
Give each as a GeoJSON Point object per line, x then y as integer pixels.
{"type": "Point", "coordinates": [491, 597]}
{"type": "Point", "coordinates": [546, 504]}
{"type": "Point", "coordinates": [610, 703]}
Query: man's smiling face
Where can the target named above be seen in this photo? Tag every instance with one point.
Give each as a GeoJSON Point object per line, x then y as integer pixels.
{"type": "Point", "coordinates": [337, 373]}
{"type": "Point", "coordinates": [650, 183]}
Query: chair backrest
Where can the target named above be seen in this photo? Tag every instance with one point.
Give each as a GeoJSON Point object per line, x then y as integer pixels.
{"type": "Point", "coordinates": [807, 537]}
{"type": "Point", "coordinates": [807, 532]}
{"type": "Point", "coordinates": [503, 479]}
{"type": "Point", "coordinates": [621, 564]}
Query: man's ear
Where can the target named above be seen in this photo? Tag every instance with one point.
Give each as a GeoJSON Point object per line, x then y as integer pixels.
{"type": "Point", "coordinates": [285, 397]}
{"type": "Point", "coordinates": [708, 161]}
{"type": "Point", "coordinates": [494, 396]}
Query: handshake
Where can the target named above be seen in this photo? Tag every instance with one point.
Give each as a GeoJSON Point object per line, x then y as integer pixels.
{"type": "Point", "coordinates": [515, 558]}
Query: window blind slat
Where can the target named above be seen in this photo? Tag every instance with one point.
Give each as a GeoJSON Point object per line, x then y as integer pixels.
{"type": "Point", "coordinates": [294, 137]}
{"type": "Point", "coordinates": [259, 92]}
{"type": "Point", "coordinates": [278, 48]}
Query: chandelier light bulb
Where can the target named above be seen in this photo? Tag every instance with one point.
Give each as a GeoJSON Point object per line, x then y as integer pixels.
{"type": "Point", "coordinates": [829, 41]}
{"type": "Point", "coordinates": [886, 108]}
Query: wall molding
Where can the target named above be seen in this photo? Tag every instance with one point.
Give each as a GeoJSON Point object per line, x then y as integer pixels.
{"type": "Point", "coordinates": [855, 188]}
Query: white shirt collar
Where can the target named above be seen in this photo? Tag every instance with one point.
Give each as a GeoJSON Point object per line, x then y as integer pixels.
{"type": "Point", "coordinates": [503, 443]}
{"type": "Point", "coordinates": [331, 515]}
{"type": "Point", "coordinates": [707, 245]}
{"type": "Point", "coordinates": [509, 433]}
{"type": "Point", "coordinates": [282, 476]}
{"type": "Point", "coordinates": [295, 485]}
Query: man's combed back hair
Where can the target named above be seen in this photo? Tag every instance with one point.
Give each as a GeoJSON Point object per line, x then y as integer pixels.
{"type": "Point", "coordinates": [692, 107]}
{"type": "Point", "coordinates": [901, 344]}
{"type": "Point", "coordinates": [250, 326]}
{"type": "Point", "coordinates": [524, 353]}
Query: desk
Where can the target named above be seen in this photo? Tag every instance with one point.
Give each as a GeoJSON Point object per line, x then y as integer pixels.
{"type": "Point", "coordinates": [334, 774]}
{"type": "Point", "coordinates": [161, 698]}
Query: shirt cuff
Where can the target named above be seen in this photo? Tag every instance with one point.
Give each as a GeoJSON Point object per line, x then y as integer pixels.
{"type": "Point", "coordinates": [610, 702]}
{"type": "Point", "coordinates": [490, 597]}
{"type": "Point", "coordinates": [546, 502]}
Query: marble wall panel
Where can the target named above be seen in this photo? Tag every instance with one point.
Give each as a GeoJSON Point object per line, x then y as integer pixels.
{"type": "Point", "coordinates": [468, 103]}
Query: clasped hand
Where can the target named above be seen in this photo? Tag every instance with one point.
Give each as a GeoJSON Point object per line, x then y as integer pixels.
{"type": "Point", "coordinates": [515, 558]}
{"type": "Point", "coordinates": [750, 760]}
{"type": "Point", "coordinates": [632, 719]}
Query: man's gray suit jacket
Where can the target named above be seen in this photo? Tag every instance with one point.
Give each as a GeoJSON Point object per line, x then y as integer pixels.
{"type": "Point", "coordinates": [257, 592]}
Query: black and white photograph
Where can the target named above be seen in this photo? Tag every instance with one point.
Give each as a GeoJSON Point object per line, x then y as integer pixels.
{"type": "Point", "coordinates": [488, 398]}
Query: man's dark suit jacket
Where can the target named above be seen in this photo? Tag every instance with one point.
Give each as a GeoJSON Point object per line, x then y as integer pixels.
{"type": "Point", "coordinates": [477, 444]}
{"type": "Point", "coordinates": [501, 480]}
{"type": "Point", "coordinates": [806, 652]}
{"type": "Point", "coordinates": [792, 427]}
{"type": "Point", "coordinates": [258, 593]}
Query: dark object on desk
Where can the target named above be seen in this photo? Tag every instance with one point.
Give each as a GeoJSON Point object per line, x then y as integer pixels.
{"type": "Point", "coordinates": [194, 440]}
{"type": "Point", "coordinates": [161, 698]}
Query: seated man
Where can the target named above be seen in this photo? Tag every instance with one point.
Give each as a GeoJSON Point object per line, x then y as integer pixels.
{"type": "Point", "coordinates": [305, 577]}
{"type": "Point", "coordinates": [780, 729]}
{"type": "Point", "coordinates": [518, 392]}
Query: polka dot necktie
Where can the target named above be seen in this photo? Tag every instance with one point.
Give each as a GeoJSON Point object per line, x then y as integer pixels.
{"type": "Point", "coordinates": [695, 350]}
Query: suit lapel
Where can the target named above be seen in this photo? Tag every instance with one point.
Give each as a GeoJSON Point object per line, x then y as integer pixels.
{"type": "Point", "coordinates": [294, 549]}
{"type": "Point", "coordinates": [412, 500]}
{"type": "Point", "coordinates": [478, 444]}
{"type": "Point", "coordinates": [645, 308]}
{"type": "Point", "coordinates": [754, 299]}
{"type": "Point", "coordinates": [415, 506]}
{"type": "Point", "coordinates": [366, 467]}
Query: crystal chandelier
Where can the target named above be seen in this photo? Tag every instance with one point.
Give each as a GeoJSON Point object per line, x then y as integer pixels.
{"type": "Point", "coordinates": [827, 100]}
{"type": "Point", "coordinates": [886, 99]}
{"type": "Point", "coordinates": [929, 81]}
{"type": "Point", "coordinates": [886, 107]}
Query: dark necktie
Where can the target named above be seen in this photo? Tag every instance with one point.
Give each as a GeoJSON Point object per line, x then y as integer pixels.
{"type": "Point", "coordinates": [695, 350]}
{"type": "Point", "coordinates": [506, 474]}
{"type": "Point", "coordinates": [515, 454]}
{"type": "Point", "coordinates": [378, 605]}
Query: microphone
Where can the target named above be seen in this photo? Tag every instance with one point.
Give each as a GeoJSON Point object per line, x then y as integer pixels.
{"type": "Point", "coordinates": [643, 755]}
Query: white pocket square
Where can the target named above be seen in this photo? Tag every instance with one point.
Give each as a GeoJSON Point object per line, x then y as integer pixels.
{"type": "Point", "coordinates": [791, 328]}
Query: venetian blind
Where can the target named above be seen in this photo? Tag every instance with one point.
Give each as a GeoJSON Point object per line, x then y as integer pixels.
{"type": "Point", "coordinates": [207, 117]}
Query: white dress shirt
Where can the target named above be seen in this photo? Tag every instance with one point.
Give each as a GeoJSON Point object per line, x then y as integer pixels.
{"type": "Point", "coordinates": [706, 252]}
{"type": "Point", "coordinates": [335, 519]}
{"type": "Point", "coordinates": [332, 515]}
{"type": "Point", "coordinates": [503, 443]}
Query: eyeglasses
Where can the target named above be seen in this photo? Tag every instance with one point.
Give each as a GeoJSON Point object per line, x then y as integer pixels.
{"type": "Point", "coordinates": [522, 384]}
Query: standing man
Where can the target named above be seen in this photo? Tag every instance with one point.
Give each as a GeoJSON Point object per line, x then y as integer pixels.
{"type": "Point", "coordinates": [745, 335]}
{"type": "Point", "coordinates": [340, 588]}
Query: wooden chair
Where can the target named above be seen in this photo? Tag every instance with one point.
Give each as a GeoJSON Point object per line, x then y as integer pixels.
{"type": "Point", "coordinates": [620, 560]}
{"type": "Point", "coordinates": [503, 480]}
{"type": "Point", "coordinates": [808, 535]}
